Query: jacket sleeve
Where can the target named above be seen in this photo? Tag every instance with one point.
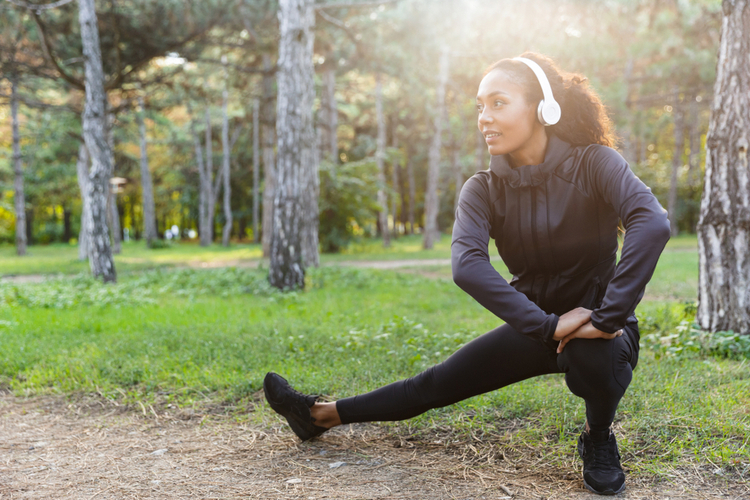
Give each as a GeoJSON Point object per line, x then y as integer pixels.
{"type": "Point", "coordinates": [647, 231]}
{"type": "Point", "coordinates": [474, 274]}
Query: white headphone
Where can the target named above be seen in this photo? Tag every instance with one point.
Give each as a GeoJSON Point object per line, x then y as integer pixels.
{"type": "Point", "coordinates": [548, 111]}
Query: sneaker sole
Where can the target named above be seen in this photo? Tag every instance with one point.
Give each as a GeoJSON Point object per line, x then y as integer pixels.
{"type": "Point", "coordinates": [607, 492]}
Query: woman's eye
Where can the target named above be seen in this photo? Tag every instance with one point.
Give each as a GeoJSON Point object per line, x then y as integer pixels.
{"type": "Point", "coordinates": [479, 108]}
{"type": "Point", "coordinates": [499, 103]}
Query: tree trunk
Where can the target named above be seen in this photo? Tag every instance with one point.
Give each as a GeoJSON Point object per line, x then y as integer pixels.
{"type": "Point", "coordinates": [296, 136]}
{"type": "Point", "coordinates": [412, 188]}
{"type": "Point", "coordinates": [329, 117]}
{"type": "Point", "coordinates": [67, 226]}
{"type": "Point", "coordinates": [94, 133]}
{"type": "Point", "coordinates": [679, 150]}
{"type": "Point", "coordinates": [19, 197]}
{"type": "Point", "coordinates": [82, 170]}
{"type": "Point", "coordinates": [380, 161]}
{"type": "Point", "coordinates": [458, 175]}
{"type": "Point", "coordinates": [431, 233]}
{"type": "Point", "coordinates": [30, 226]}
{"type": "Point", "coordinates": [694, 138]}
{"type": "Point", "coordinates": [211, 193]}
{"type": "Point", "coordinates": [394, 183]}
{"type": "Point", "coordinates": [225, 157]}
{"type": "Point", "coordinates": [268, 133]}
{"type": "Point", "coordinates": [724, 226]}
{"type": "Point", "coordinates": [204, 230]}
{"type": "Point", "coordinates": [147, 188]}
{"type": "Point", "coordinates": [256, 168]}
{"type": "Point", "coordinates": [310, 163]}
{"type": "Point", "coordinates": [112, 213]}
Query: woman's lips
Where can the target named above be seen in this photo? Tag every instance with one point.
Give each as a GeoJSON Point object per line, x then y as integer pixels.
{"type": "Point", "coordinates": [491, 137]}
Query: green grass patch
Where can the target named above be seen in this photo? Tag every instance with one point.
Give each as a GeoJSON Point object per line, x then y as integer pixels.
{"type": "Point", "coordinates": [192, 336]}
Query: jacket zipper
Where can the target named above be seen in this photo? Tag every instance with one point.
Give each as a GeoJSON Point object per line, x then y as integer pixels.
{"type": "Point", "coordinates": [543, 295]}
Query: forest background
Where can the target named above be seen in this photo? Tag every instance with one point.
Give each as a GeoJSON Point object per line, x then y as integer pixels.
{"type": "Point", "coordinates": [652, 61]}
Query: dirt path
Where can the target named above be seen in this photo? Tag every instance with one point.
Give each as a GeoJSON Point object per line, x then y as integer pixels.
{"type": "Point", "coordinates": [52, 449]}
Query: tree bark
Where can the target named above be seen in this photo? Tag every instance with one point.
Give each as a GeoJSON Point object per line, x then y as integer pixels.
{"type": "Point", "coordinates": [724, 226]}
{"type": "Point", "coordinates": [82, 170]}
{"type": "Point", "coordinates": [19, 196]}
{"type": "Point", "coordinates": [679, 150]}
{"type": "Point", "coordinates": [310, 167]}
{"type": "Point", "coordinates": [94, 133]}
{"type": "Point", "coordinates": [268, 133]}
{"type": "Point", "coordinates": [431, 233]}
{"type": "Point", "coordinates": [380, 162]}
{"type": "Point", "coordinates": [227, 232]}
{"type": "Point", "coordinates": [147, 188]}
{"type": "Point", "coordinates": [296, 136]}
{"type": "Point", "coordinates": [256, 168]}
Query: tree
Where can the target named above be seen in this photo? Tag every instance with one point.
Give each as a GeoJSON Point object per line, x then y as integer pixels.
{"type": "Point", "coordinates": [256, 168]}
{"type": "Point", "coordinates": [724, 225]}
{"type": "Point", "coordinates": [380, 161]}
{"type": "Point", "coordinates": [82, 171]}
{"type": "Point", "coordinates": [431, 232]}
{"type": "Point", "coordinates": [268, 134]}
{"type": "Point", "coordinates": [94, 133]}
{"type": "Point", "coordinates": [296, 136]}
{"type": "Point", "coordinates": [19, 197]}
{"type": "Point", "coordinates": [147, 188]}
{"type": "Point", "coordinates": [225, 148]}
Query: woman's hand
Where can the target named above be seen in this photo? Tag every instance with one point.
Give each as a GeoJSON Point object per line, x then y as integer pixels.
{"type": "Point", "coordinates": [586, 331]}
{"type": "Point", "coordinates": [571, 321]}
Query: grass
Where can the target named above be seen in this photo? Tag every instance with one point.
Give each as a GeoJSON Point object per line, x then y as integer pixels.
{"type": "Point", "coordinates": [208, 337]}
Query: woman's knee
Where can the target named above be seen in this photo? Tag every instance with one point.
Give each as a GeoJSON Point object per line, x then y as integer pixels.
{"type": "Point", "coordinates": [597, 366]}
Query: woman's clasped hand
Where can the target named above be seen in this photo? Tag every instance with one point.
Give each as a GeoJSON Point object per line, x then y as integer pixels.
{"type": "Point", "coordinates": [576, 324]}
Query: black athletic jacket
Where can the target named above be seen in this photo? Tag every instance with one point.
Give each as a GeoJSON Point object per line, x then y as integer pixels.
{"type": "Point", "coordinates": [555, 226]}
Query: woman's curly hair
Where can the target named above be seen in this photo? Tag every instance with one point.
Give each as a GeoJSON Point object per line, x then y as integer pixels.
{"type": "Point", "coordinates": [584, 118]}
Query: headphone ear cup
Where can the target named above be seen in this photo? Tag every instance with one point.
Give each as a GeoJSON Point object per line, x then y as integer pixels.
{"type": "Point", "coordinates": [549, 113]}
{"type": "Point", "coordinates": [540, 113]}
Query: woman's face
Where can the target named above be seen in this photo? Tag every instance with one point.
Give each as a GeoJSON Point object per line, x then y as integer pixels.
{"type": "Point", "coordinates": [506, 120]}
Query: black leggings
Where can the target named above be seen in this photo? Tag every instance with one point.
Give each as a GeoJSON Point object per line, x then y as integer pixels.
{"type": "Point", "coordinates": [596, 370]}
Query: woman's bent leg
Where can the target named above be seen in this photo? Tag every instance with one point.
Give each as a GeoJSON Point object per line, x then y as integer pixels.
{"type": "Point", "coordinates": [496, 359]}
{"type": "Point", "coordinates": [599, 371]}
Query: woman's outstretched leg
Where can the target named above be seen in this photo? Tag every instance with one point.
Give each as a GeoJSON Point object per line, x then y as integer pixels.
{"type": "Point", "coordinates": [494, 360]}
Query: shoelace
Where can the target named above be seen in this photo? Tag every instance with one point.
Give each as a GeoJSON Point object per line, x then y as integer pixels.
{"type": "Point", "coordinates": [604, 455]}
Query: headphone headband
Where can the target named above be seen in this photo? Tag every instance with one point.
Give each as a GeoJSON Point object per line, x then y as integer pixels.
{"type": "Point", "coordinates": [549, 110]}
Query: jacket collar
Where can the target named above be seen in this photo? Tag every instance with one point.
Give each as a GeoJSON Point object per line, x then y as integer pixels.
{"type": "Point", "coordinates": [532, 175]}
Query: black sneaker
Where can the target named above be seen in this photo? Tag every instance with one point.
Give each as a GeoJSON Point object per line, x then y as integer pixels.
{"type": "Point", "coordinates": [292, 405]}
{"type": "Point", "coordinates": [602, 472]}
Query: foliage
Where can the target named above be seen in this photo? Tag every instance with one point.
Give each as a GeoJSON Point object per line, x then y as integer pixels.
{"type": "Point", "coordinates": [145, 288]}
{"type": "Point", "coordinates": [347, 202]}
{"type": "Point", "coordinates": [672, 332]}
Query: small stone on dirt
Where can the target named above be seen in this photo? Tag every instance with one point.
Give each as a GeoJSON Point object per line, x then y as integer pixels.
{"type": "Point", "coordinates": [336, 465]}
{"type": "Point", "coordinates": [159, 453]}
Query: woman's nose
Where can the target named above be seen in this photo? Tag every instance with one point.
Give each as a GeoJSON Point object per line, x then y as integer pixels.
{"type": "Point", "coordinates": [484, 118]}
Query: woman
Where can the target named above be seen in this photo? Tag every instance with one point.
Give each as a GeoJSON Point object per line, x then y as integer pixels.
{"type": "Point", "coordinates": [551, 201]}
